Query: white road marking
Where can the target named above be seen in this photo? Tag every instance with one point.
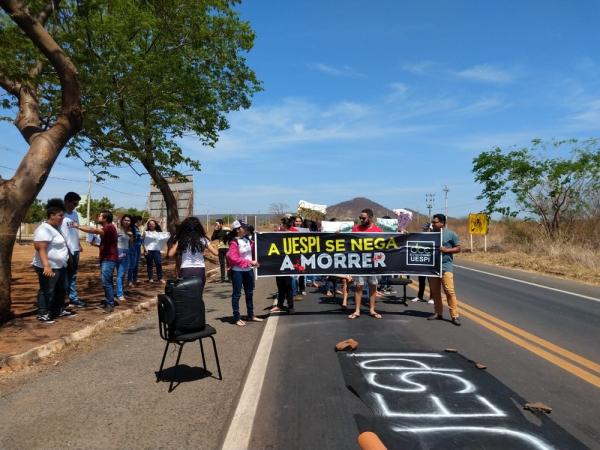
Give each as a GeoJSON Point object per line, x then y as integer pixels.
{"type": "Point", "coordinates": [240, 428]}
{"type": "Point", "coordinates": [530, 439]}
{"type": "Point", "coordinates": [530, 283]}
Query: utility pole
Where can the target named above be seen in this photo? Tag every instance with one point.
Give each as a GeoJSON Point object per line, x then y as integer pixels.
{"type": "Point", "coordinates": [429, 202]}
{"type": "Point", "coordinates": [446, 189]}
{"type": "Point", "coordinates": [89, 196]}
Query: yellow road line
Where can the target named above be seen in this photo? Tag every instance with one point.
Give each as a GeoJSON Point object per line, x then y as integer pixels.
{"type": "Point", "coordinates": [494, 324]}
{"type": "Point", "coordinates": [533, 338]}
{"type": "Point", "coordinates": [560, 362]}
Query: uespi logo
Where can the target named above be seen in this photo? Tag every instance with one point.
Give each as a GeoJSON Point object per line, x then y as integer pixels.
{"type": "Point", "coordinates": [420, 253]}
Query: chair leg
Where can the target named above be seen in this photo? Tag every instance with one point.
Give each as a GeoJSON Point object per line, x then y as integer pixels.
{"type": "Point", "coordinates": [217, 357]}
{"type": "Point", "coordinates": [202, 351]}
{"type": "Point", "coordinates": [162, 363]}
{"type": "Point", "coordinates": [176, 366]}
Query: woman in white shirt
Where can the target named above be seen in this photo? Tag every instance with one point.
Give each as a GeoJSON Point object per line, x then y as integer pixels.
{"type": "Point", "coordinates": [189, 246]}
{"type": "Point", "coordinates": [153, 240]}
{"type": "Point", "coordinates": [50, 263]}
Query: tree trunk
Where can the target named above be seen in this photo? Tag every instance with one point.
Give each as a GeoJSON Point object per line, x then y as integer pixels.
{"type": "Point", "coordinates": [19, 192]}
{"type": "Point", "coordinates": [167, 193]}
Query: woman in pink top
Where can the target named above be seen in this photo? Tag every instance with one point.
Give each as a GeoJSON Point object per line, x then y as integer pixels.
{"type": "Point", "coordinates": [239, 258]}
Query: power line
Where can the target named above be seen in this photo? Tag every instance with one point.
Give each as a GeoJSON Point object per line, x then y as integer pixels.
{"type": "Point", "coordinates": [85, 181]}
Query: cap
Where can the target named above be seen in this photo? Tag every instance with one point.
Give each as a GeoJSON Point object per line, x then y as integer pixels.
{"type": "Point", "coordinates": [236, 224]}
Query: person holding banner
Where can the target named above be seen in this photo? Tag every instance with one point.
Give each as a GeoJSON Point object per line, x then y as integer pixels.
{"type": "Point", "coordinates": [450, 246]}
{"type": "Point", "coordinates": [239, 258]}
{"type": "Point", "coordinates": [366, 225]}
{"type": "Point", "coordinates": [284, 283]}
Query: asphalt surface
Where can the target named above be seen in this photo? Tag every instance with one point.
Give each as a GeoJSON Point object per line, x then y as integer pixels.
{"type": "Point", "coordinates": [305, 402]}
{"type": "Point", "coordinates": [109, 398]}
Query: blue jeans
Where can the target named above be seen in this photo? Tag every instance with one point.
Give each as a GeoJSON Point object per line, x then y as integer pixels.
{"type": "Point", "coordinates": [107, 268]}
{"type": "Point", "coordinates": [72, 278]}
{"type": "Point", "coordinates": [241, 278]}
{"type": "Point", "coordinates": [134, 262]}
{"type": "Point", "coordinates": [153, 258]}
{"type": "Point", "coordinates": [294, 286]}
{"type": "Point", "coordinates": [122, 265]}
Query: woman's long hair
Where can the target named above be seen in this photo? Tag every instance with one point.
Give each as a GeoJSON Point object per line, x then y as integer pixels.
{"type": "Point", "coordinates": [156, 225]}
{"type": "Point", "coordinates": [190, 236]}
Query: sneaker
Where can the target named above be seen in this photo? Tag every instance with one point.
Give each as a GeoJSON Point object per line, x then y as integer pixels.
{"type": "Point", "coordinates": [107, 309]}
{"type": "Point", "coordinates": [150, 281]}
{"type": "Point", "coordinates": [45, 318]}
{"type": "Point", "coordinates": [430, 301]}
{"type": "Point", "coordinates": [66, 313]}
{"type": "Point", "coordinates": [78, 303]}
{"type": "Point", "coordinates": [456, 321]}
{"type": "Point", "coordinates": [303, 292]}
{"type": "Point", "coordinates": [417, 299]}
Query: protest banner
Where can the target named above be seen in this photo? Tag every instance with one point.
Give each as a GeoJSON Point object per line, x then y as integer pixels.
{"type": "Point", "coordinates": [348, 254]}
{"type": "Point", "coordinates": [328, 226]}
{"type": "Point", "coordinates": [404, 218]}
{"type": "Point", "coordinates": [387, 224]}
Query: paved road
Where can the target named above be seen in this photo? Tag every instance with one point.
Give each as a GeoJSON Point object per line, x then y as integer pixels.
{"type": "Point", "coordinates": [108, 397]}
{"type": "Point", "coordinates": [305, 403]}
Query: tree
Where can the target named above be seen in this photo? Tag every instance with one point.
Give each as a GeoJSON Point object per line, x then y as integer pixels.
{"type": "Point", "coordinates": [152, 73]}
{"type": "Point", "coordinates": [32, 67]}
{"type": "Point", "coordinates": [553, 189]}
{"type": "Point", "coordinates": [278, 209]}
{"type": "Point", "coordinates": [96, 207]}
{"type": "Point", "coordinates": [36, 212]}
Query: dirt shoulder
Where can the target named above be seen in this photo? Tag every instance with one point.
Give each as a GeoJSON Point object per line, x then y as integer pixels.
{"type": "Point", "coordinates": [535, 264]}
{"type": "Point", "coordinates": [26, 332]}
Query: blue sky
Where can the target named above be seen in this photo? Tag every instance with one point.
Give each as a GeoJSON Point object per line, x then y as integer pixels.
{"type": "Point", "coordinates": [388, 100]}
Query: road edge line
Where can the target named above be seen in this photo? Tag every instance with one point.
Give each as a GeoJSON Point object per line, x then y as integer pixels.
{"type": "Point", "coordinates": [587, 297]}
{"type": "Point", "coordinates": [241, 424]}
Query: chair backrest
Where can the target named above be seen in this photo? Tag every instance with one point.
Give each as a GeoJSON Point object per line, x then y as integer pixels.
{"type": "Point", "coordinates": [189, 309]}
{"type": "Point", "coordinates": [166, 315]}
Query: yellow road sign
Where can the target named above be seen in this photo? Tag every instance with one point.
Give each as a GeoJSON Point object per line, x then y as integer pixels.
{"type": "Point", "coordinates": [478, 223]}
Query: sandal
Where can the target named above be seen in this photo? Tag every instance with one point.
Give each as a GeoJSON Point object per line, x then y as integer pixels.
{"type": "Point", "coordinates": [276, 309]}
{"type": "Point", "coordinates": [329, 294]}
{"type": "Point", "coordinates": [353, 316]}
{"type": "Point", "coordinates": [240, 323]}
{"type": "Point", "coordinates": [376, 315]}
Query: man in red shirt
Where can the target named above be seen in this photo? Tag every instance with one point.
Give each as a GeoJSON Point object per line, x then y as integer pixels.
{"type": "Point", "coordinates": [365, 225]}
{"type": "Point", "coordinates": [109, 255]}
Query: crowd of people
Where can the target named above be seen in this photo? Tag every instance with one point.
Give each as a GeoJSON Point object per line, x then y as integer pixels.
{"type": "Point", "coordinates": [57, 250]}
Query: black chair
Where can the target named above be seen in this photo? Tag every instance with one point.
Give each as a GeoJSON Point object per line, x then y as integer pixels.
{"type": "Point", "coordinates": [182, 325]}
{"type": "Point", "coordinates": [399, 281]}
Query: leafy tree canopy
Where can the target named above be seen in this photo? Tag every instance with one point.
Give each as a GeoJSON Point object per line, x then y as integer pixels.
{"type": "Point", "coordinates": [536, 180]}
{"type": "Point", "coordinates": [36, 212]}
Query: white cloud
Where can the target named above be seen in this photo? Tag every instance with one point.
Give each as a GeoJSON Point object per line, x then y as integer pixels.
{"type": "Point", "coordinates": [343, 71]}
{"type": "Point", "coordinates": [397, 92]}
{"type": "Point", "coordinates": [419, 67]}
{"type": "Point", "coordinates": [486, 73]}
{"type": "Point", "coordinates": [481, 106]}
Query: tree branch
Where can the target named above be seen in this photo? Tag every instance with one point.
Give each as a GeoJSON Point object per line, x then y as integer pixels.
{"type": "Point", "coordinates": [12, 87]}
{"type": "Point", "coordinates": [49, 8]}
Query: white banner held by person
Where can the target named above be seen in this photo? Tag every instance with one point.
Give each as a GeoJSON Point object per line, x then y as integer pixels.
{"type": "Point", "coordinates": [312, 206]}
{"type": "Point", "coordinates": [333, 227]}
{"type": "Point", "coordinates": [387, 224]}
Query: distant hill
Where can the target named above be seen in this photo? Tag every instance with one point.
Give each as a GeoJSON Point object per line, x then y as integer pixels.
{"type": "Point", "coordinates": [350, 209]}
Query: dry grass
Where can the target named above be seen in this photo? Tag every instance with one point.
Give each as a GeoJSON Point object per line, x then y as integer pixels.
{"type": "Point", "coordinates": [520, 244]}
